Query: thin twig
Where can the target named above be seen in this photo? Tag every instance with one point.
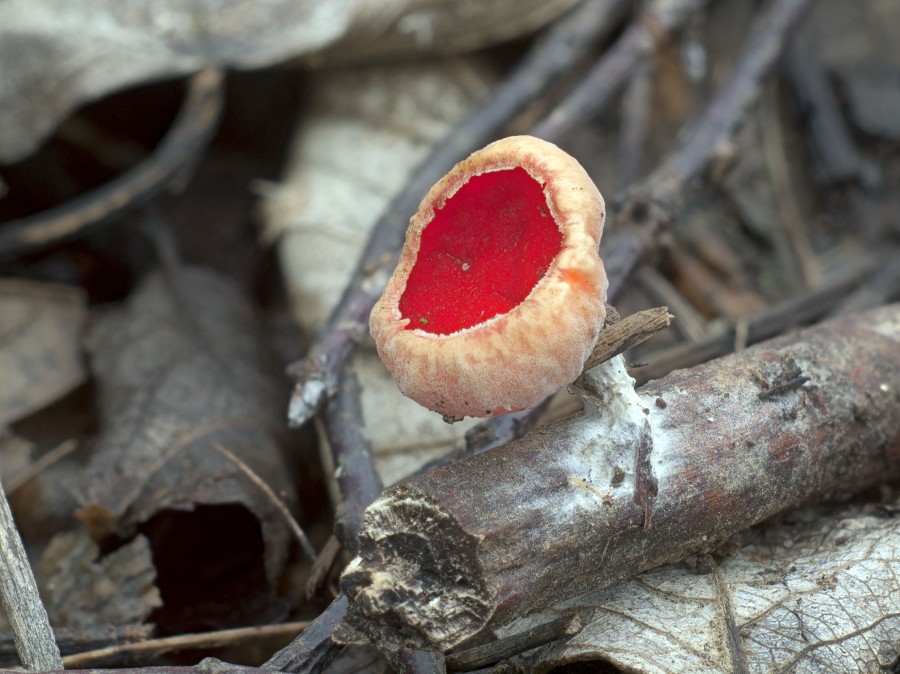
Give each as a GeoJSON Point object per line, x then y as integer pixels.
{"type": "Point", "coordinates": [723, 599]}
{"type": "Point", "coordinates": [635, 117]}
{"type": "Point", "coordinates": [838, 159]}
{"type": "Point", "coordinates": [792, 242]}
{"type": "Point", "coordinates": [358, 482]}
{"type": "Point", "coordinates": [705, 138]}
{"type": "Point", "coordinates": [497, 431]}
{"type": "Point", "coordinates": [152, 648]}
{"type": "Point", "coordinates": [691, 325]}
{"type": "Point", "coordinates": [314, 648]}
{"type": "Point", "coordinates": [279, 504]}
{"type": "Point", "coordinates": [80, 640]}
{"type": "Point", "coordinates": [882, 287]}
{"type": "Point", "coordinates": [319, 572]}
{"type": "Point", "coordinates": [21, 600]}
{"type": "Point", "coordinates": [56, 454]}
{"type": "Point", "coordinates": [206, 666]}
{"type": "Point", "coordinates": [628, 332]}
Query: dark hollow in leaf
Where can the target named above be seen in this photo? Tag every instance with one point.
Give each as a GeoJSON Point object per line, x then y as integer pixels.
{"type": "Point", "coordinates": [93, 147]}
{"type": "Point", "coordinates": [210, 570]}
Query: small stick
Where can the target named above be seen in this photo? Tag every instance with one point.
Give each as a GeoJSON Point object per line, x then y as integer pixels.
{"type": "Point", "coordinates": [27, 616]}
{"type": "Point", "coordinates": [791, 377]}
{"type": "Point", "coordinates": [358, 482]}
{"type": "Point", "coordinates": [497, 431]}
{"type": "Point", "coordinates": [691, 325]}
{"type": "Point", "coordinates": [635, 118]}
{"type": "Point", "coordinates": [58, 453]}
{"type": "Point", "coordinates": [495, 651]}
{"type": "Point", "coordinates": [828, 133]}
{"type": "Point", "coordinates": [152, 648]}
{"type": "Point", "coordinates": [81, 640]}
{"type": "Point", "coordinates": [314, 648]}
{"type": "Point", "coordinates": [882, 287]}
{"type": "Point", "coordinates": [723, 597]}
{"type": "Point", "coordinates": [298, 532]}
{"type": "Point", "coordinates": [703, 140]}
{"type": "Point", "coordinates": [627, 333]}
{"type": "Point", "coordinates": [206, 666]}
{"type": "Point", "coordinates": [706, 289]}
{"type": "Point", "coordinates": [792, 242]}
{"type": "Point", "coordinates": [327, 556]}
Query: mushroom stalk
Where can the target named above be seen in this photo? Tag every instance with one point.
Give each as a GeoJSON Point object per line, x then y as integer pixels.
{"type": "Point", "coordinates": [479, 542]}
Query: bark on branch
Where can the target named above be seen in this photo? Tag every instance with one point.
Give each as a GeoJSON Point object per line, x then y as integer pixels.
{"type": "Point", "coordinates": [565, 510]}
{"type": "Point", "coordinates": [21, 601]}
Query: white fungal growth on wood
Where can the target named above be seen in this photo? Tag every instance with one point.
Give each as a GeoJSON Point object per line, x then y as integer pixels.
{"type": "Point", "coordinates": [618, 423]}
{"type": "Point", "coordinates": [636, 480]}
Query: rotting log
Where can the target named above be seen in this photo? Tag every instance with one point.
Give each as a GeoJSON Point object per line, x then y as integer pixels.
{"type": "Point", "coordinates": [566, 509]}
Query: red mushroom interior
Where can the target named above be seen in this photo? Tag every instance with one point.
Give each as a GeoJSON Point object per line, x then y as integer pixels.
{"type": "Point", "coordinates": [482, 254]}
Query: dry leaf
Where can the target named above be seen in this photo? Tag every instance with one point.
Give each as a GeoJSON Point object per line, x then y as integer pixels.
{"type": "Point", "coordinates": [367, 130]}
{"type": "Point", "coordinates": [82, 591]}
{"type": "Point", "coordinates": [813, 593]}
{"type": "Point", "coordinates": [56, 55]}
{"type": "Point", "coordinates": [40, 345]}
{"type": "Point", "coordinates": [181, 370]}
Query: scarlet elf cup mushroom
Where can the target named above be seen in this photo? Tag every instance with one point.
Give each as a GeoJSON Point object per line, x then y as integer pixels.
{"type": "Point", "coordinates": [498, 297]}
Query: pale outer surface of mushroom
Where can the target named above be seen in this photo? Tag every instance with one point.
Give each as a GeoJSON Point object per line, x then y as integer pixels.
{"type": "Point", "coordinates": [515, 359]}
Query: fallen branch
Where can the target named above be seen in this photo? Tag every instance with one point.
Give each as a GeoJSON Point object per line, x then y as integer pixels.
{"type": "Point", "coordinates": [475, 544]}
{"type": "Point", "coordinates": [351, 456]}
